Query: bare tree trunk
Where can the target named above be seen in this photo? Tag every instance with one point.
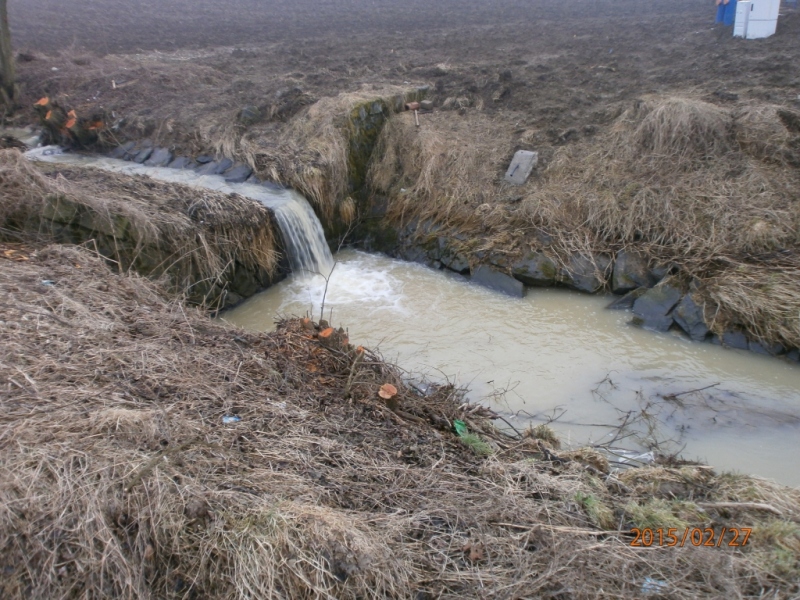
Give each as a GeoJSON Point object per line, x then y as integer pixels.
{"type": "Point", "coordinates": [6, 58]}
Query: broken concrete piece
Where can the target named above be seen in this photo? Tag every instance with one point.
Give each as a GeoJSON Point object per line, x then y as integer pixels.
{"type": "Point", "coordinates": [521, 166]}
{"type": "Point", "coordinates": [426, 105]}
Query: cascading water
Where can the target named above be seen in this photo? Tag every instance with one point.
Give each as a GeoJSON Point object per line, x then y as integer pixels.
{"type": "Point", "coordinates": [301, 230]}
{"type": "Point", "coordinates": [303, 237]}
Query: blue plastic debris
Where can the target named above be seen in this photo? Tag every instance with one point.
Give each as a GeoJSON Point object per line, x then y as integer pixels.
{"type": "Point", "coordinates": [233, 419]}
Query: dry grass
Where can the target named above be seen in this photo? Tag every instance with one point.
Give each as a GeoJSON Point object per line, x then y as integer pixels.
{"type": "Point", "coordinates": [192, 236]}
{"type": "Point", "coordinates": [762, 132]}
{"type": "Point", "coordinates": [675, 129]}
{"type": "Point", "coordinates": [448, 168]}
{"type": "Point", "coordinates": [119, 479]}
{"type": "Point", "coordinates": [313, 152]}
{"type": "Point", "coordinates": [698, 186]}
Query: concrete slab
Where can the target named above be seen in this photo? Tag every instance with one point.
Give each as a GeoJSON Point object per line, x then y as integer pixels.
{"type": "Point", "coordinates": [521, 166]}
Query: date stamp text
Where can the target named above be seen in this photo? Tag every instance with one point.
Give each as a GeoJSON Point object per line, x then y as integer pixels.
{"type": "Point", "coordinates": [692, 536]}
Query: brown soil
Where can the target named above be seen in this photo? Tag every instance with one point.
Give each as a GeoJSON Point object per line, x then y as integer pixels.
{"type": "Point", "coordinates": [565, 71]}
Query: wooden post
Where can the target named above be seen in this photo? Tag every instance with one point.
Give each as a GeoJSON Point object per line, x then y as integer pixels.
{"type": "Point", "coordinates": [7, 75]}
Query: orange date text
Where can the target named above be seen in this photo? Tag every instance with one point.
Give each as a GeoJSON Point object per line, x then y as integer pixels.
{"type": "Point", "coordinates": [732, 537]}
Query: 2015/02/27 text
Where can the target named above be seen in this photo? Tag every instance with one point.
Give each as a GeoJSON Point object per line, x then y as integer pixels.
{"type": "Point", "coordinates": [695, 536]}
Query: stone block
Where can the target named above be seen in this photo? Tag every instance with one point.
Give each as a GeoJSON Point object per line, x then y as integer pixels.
{"type": "Point", "coordinates": [735, 339]}
{"type": "Point", "coordinates": [426, 105]}
{"type": "Point", "coordinates": [774, 349]}
{"type": "Point", "coordinates": [653, 308]}
{"type": "Point", "coordinates": [142, 155]}
{"type": "Point", "coordinates": [223, 165]}
{"type": "Point", "coordinates": [181, 162]}
{"type": "Point", "coordinates": [114, 226]}
{"type": "Point", "coordinates": [121, 151]}
{"type": "Point", "coordinates": [207, 168]}
{"type": "Point", "coordinates": [521, 166]}
{"type": "Point", "coordinates": [688, 315]}
{"type": "Point", "coordinates": [456, 262]}
{"type": "Point", "coordinates": [631, 271]}
{"type": "Point", "coordinates": [626, 302]}
{"type": "Point", "coordinates": [160, 157]}
{"type": "Point", "coordinates": [585, 274]}
{"type": "Point", "coordinates": [495, 280]}
{"type": "Point", "coordinates": [249, 115]}
{"type": "Point", "coordinates": [59, 210]}
{"type": "Point", "coordinates": [536, 269]}
{"type": "Point", "coordinates": [414, 254]}
{"type": "Point", "coordinates": [238, 174]}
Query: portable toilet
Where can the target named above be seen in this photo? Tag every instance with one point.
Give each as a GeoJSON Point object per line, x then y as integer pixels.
{"type": "Point", "coordinates": [756, 18]}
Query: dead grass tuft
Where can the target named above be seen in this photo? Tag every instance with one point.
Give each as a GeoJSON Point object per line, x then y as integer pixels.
{"type": "Point", "coordinates": [761, 132]}
{"type": "Point", "coordinates": [444, 172]}
{"type": "Point", "coordinates": [676, 129]}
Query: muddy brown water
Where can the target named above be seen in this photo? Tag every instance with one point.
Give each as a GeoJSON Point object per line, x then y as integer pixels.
{"type": "Point", "coordinates": [559, 356]}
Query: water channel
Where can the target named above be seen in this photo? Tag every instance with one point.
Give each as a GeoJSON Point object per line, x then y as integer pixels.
{"type": "Point", "coordinates": [558, 355]}
{"type": "Point", "coordinates": [555, 356]}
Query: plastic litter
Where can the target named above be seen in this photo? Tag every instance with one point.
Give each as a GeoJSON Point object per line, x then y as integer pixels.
{"type": "Point", "coordinates": [49, 282]}
{"type": "Point", "coordinates": [634, 457]}
{"type": "Point", "coordinates": [233, 419]}
{"type": "Point", "coordinates": [654, 586]}
{"type": "Point", "coordinates": [460, 427]}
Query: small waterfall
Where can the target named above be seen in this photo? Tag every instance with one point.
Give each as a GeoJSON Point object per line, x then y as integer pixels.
{"type": "Point", "coordinates": [302, 232]}
{"type": "Point", "coordinates": [303, 236]}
